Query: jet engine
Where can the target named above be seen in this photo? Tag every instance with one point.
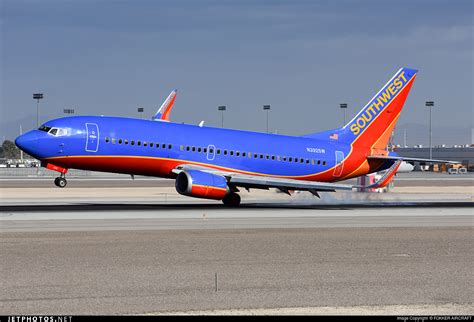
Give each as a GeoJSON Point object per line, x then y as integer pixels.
{"type": "Point", "coordinates": [200, 184]}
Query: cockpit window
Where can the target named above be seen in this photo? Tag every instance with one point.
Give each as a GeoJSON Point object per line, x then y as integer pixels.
{"type": "Point", "coordinates": [56, 131]}
{"type": "Point", "coordinates": [44, 128]}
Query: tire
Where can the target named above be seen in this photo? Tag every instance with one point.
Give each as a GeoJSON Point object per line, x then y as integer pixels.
{"type": "Point", "coordinates": [231, 200]}
{"type": "Point", "coordinates": [62, 182]}
{"type": "Point", "coordinates": [56, 182]}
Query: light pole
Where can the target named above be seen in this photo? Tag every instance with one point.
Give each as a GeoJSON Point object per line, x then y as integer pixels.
{"type": "Point", "coordinates": [430, 104]}
{"type": "Point", "coordinates": [37, 97]}
{"type": "Point", "coordinates": [266, 108]}
{"type": "Point", "coordinates": [222, 108]}
{"type": "Point", "coordinates": [343, 106]}
{"type": "Point", "coordinates": [68, 111]}
{"type": "Point", "coordinates": [140, 110]}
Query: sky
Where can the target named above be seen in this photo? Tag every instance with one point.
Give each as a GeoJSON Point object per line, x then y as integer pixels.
{"type": "Point", "coordinates": [303, 58]}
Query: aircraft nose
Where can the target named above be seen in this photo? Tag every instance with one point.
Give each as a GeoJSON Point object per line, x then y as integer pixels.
{"type": "Point", "coordinates": [27, 142]}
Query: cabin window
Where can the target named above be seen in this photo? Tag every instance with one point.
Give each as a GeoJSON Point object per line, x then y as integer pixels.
{"type": "Point", "coordinates": [205, 150]}
{"type": "Point", "coordinates": [199, 149]}
{"type": "Point", "coordinates": [181, 148]}
{"type": "Point", "coordinates": [113, 140]}
{"type": "Point", "coordinates": [324, 162]}
{"type": "Point", "coordinates": [151, 144]}
{"type": "Point", "coordinates": [119, 141]}
{"type": "Point", "coordinates": [225, 152]}
{"type": "Point", "coordinates": [243, 154]}
{"type": "Point", "coordinates": [218, 151]}
{"type": "Point", "coordinates": [301, 160]}
{"type": "Point", "coordinates": [144, 143]}
{"type": "Point", "coordinates": [284, 158]}
{"type": "Point", "coordinates": [125, 141]}
{"type": "Point", "coordinates": [106, 140]}
{"type": "Point", "coordinates": [132, 142]}
{"type": "Point", "coordinates": [163, 146]}
{"type": "Point", "coordinates": [139, 143]}
{"type": "Point", "coordinates": [231, 152]}
{"type": "Point", "coordinates": [261, 156]}
{"type": "Point", "coordinates": [188, 148]}
{"type": "Point", "coordinates": [290, 159]}
{"type": "Point", "coordinates": [169, 146]}
{"type": "Point", "coordinates": [273, 157]}
{"type": "Point", "coordinates": [279, 158]}
{"type": "Point", "coordinates": [250, 154]}
{"type": "Point", "coordinates": [194, 149]}
{"type": "Point", "coordinates": [307, 161]}
{"type": "Point", "coordinates": [237, 153]}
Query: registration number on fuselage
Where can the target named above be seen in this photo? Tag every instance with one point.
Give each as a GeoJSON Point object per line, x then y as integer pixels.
{"type": "Point", "coordinates": [315, 150]}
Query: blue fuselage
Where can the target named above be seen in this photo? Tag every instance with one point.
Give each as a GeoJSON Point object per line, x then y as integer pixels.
{"type": "Point", "coordinates": [81, 139]}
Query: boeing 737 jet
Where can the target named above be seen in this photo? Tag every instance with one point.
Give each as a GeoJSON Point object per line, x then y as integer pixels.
{"type": "Point", "coordinates": [214, 163]}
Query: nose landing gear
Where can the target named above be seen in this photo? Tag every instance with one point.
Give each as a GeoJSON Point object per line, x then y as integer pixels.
{"type": "Point", "coordinates": [61, 181]}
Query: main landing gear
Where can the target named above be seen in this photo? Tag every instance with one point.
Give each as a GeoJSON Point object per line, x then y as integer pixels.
{"type": "Point", "coordinates": [231, 200]}
{"type": "Point", "coordinates": [61, 181]}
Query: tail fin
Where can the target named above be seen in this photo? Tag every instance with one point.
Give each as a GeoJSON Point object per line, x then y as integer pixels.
{"type": "Point", "coordinates": [163, 113]}
{"type": "Point", "coordinates": [373, 125]}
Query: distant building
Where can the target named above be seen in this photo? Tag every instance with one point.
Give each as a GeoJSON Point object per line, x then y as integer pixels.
{"type": "Point", "coordinates": [465, 155]}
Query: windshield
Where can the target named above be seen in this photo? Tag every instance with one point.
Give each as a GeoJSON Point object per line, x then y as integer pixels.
{"type": "Point", "coordinates": [56, 131]}
{"type": "Point", "coordinates": [44, 128]}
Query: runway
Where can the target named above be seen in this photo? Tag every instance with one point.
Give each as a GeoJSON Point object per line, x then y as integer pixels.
{"type": "Point", "coordinates": [147, 250]}
{"type": "Point", "coordinates": [103, 217]}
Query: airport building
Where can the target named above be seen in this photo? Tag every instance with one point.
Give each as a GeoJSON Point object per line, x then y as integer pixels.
{"type": "Point", "coordinates": [465, 155]}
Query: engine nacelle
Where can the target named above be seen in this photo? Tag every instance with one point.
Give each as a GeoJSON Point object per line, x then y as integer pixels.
{"type": "Point", "coordinates": [199, 184]}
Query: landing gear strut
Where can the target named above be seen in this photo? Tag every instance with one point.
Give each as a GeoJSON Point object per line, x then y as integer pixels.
{"type": "Point", "coordinates": [231, 200]}
{"type": "Point", "coordinates": [60, 181]}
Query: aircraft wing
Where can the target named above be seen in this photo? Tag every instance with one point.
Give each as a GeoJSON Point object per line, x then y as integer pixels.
{"type": "Point", "coordinates": [396, 158]}
{"type": "Point", "coordinates": [286, 184]}
{"type": "Point", "coordinates": [163, 113]}
{"type": "Point", "coordinates": [266, 182]}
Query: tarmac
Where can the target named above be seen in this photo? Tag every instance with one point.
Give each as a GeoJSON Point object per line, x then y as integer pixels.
{"type": "Point", "coordinates": [96, 248]}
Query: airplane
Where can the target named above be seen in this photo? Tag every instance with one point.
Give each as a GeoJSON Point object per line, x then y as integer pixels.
{"type": "Point", "coordinates": [213, 163]}
{"type": "Point", "coordinates": [163, 113]}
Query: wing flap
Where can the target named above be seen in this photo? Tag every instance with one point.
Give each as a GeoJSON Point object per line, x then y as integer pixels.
{"type": "Point", "coordinates": [249, 181]}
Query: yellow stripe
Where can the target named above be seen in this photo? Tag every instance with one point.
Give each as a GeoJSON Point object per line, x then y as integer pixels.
{"type": "Point", "coordinates": [212, 187]}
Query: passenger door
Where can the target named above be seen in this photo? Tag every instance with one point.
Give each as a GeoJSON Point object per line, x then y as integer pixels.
{"type": "Point", "coordinates": [92, 139]}
{"type": "Point", "coordinates": [339, 164]}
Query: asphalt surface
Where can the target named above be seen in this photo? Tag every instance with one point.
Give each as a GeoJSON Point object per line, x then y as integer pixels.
{"type": "Point", "coordinates": [110, 272]}
{"type": "Point", "coordinates": [106, 217]}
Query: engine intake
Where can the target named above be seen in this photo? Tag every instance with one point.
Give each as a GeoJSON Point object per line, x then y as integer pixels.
{"type": "Point", "coordinates": [199, 184]}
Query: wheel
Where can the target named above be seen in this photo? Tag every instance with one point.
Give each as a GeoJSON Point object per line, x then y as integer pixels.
{"type": "Point", "coordinates": [231, 200]}
{"type": "Point", "coordinates": [62, 182]}
{"type": "Point", "coordinates": [56, 181]}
